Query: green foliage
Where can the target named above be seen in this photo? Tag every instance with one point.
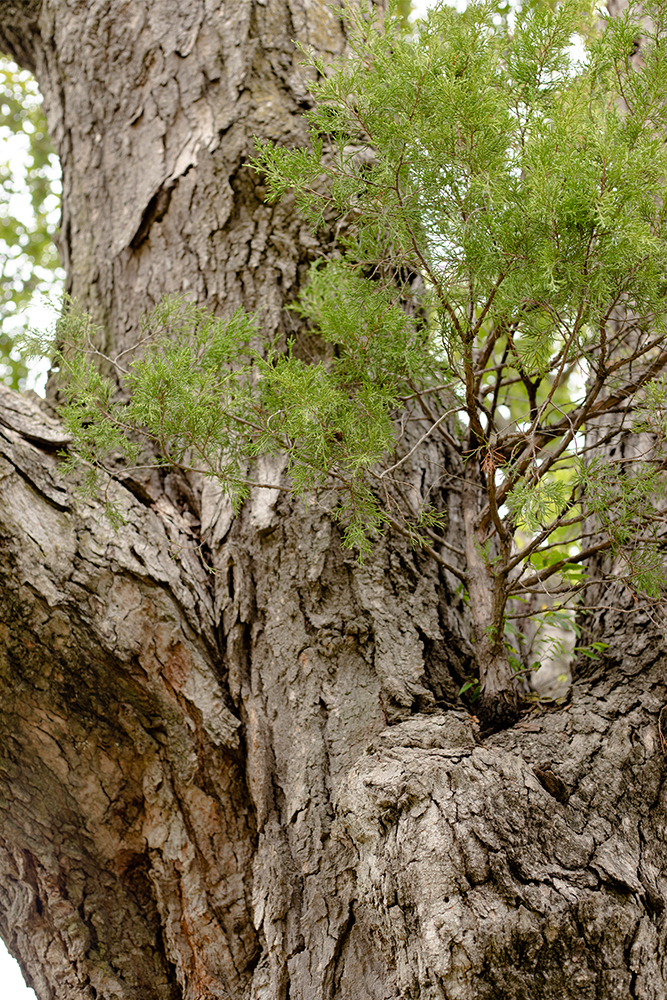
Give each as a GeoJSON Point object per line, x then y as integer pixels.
{"type": "Point", "coordinates": [472, 687]}
{"type": "Point", "coordinates": [527, 191]}
{"type": "Point", "coordinates": [29, 200]}
{"type": "Point", "coordinates": [625, 505]}
{"type": "Point", "coordinates": [500, 281]}
{"type": "Point", "coordinates": [535, 505]}
{"type": "Point", "coordinates": [189, 394]}
{"type": "Point", "coordinates": [203, 399]}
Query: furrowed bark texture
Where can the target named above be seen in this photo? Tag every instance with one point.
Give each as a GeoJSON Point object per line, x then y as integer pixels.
{"type": "Point", "coordinates": [257, 782]}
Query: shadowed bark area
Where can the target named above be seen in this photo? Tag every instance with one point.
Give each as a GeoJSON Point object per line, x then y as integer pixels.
{"type": "Point", "coordinates": [232, 760]}
{"type": "Point", "coordinates": [125, 814]}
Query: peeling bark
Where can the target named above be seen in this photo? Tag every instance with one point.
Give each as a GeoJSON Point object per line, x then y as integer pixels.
{"type": "Point", "coordinates": [233, 763]}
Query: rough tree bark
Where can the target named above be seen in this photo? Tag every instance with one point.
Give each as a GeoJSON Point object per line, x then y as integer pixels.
{"type": "Point", "coordinates": [257, 782]}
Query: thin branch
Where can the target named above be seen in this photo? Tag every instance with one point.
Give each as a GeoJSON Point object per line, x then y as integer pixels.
{"type": "Point", "coordinates": [542, 537]}
{"type": "Point", "coordinates": [425, 392]}
{"type": "Point", "coordinates": [454, 445]}
{"type": "Point", "coordinates": [441, 541]}
{"type": "Point", "coordinates": [423, 438]}
{"type": "Point", "coordinates": [548, 571]}
{"type": "Point", "coordinates": [427, 549]}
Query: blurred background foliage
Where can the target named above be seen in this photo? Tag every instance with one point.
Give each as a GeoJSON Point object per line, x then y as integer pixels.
{"type": "Point", "coordinates": [29, 212]}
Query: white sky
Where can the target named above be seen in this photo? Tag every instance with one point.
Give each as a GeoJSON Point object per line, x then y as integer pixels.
{"type": "Point", "coordinates": [12, 986]}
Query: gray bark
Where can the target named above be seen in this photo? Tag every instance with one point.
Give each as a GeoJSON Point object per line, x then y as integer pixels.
{"type": "Point", "coordinates": [258, 782]}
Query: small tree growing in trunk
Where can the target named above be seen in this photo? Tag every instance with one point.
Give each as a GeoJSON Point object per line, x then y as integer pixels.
{"type": "Point", "coordinates": [515, 197]}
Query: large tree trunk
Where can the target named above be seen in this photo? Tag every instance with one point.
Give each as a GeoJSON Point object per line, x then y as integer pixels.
{"type": "Point", "coordinates": [256, 782]}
